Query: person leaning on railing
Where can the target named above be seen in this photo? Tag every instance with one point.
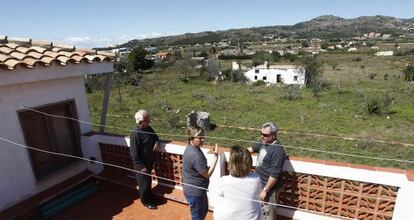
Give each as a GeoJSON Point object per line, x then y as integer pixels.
{"type": "Point", "coordinates": [236, 195]}
{"type": "Point", "coordinates": [269, 167]}
{"type": "Point", "coordinates": [197, 173]}
{"type": "Point", "coordinates": [143, 142]}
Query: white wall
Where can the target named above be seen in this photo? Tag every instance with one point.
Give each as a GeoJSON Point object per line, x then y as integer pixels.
{"type": "Point", "coordinates": [287, 75]}
{"type": "Point", "coordinates": [403, 206]}
{"type": "Point", "coordinates": [24, 75]}
{"type": "Point", "coordinates": [17, 181]}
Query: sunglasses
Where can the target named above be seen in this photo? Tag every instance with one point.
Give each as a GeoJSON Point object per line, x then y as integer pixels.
{"type": "Point", "coordinates": [265, 135]}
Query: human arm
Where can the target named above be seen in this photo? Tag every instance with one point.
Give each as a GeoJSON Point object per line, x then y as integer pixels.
{"type": "Point", "coordinates": [277, 159]}
{"type": "Point", "coordinates": [206, 174]}
{"type": "Point", "coordinates": [156, 145]}
{"type": "Point", "coordinates": [250, 149]}
{"type": "Point", "coordinates": [254, 149]}
{"type": "Point", "coordinates": [156, 139]}
{"type": "Point", "coordinates": [270, 183]}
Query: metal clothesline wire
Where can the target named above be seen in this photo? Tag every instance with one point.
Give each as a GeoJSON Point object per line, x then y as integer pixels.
{"type": "Point", "coordinates": [301, 133]}
{"type": "Point", "coordinates": [163, 178]}
{"type": "Point", "coordinates": [218, 138]}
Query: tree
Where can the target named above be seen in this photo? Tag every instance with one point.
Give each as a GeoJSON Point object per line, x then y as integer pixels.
{"type": "Point", "coordinates": [409, 73]}
{"type": "Point", "coordinates": [177, 55]}
{"type": "Point", "coordinates": [137, 60]}
{"type": "Point", "coordinates": [203, 54]}
{"type": "Point", "coordinates": [212, 70]}
{"type": "Point", "coordinates": [324, 45]}
{"type": "Point", "coordinates": [120, 75]}
{"type": "Point", "coordinates": [213, 50]}
{"type": "Point", "coordinates": [260, 57]}
{"type": "Point", "coordinates": [276, 56]}
{"type": "Point", "coordinates": [185, 66]}
{"type": "Point", "coordinates": [313, 74]}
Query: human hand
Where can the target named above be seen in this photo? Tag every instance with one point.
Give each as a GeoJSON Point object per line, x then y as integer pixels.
{"type": "Point", "coordinates": [156, 146]}
{"type": "Point", "coordinates": [144, 170]}
{"type": "Point", "coordinates": [215, 149]}
{"type": "Point", "coordinates": [262, 195]}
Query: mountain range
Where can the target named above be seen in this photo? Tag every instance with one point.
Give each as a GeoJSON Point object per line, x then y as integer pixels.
{"type": "Point", "coordinates": [324, 27]}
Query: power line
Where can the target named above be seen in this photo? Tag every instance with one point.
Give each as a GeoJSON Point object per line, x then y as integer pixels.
{"type": "Point", "coordinates": [163, 178]}
{"type": "Point", "coordinates": [219, 138]}
{"type": "Point", "coordinates": [292, 132]}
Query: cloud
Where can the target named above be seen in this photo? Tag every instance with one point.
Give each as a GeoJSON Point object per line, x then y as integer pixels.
{"type": "Point", "coordinates": [90, 42]}
{"type": "Point", "coordinates": [78, 39]}
{"type": "Point", "coordinates": [151, 35]}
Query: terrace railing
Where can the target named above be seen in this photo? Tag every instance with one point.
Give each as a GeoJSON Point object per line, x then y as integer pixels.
{"type": "Point", "coordinates": [312, 186]}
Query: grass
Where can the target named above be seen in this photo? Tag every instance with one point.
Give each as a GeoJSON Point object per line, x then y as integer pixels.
{"type": "Point", "coordinates": [339, 111]}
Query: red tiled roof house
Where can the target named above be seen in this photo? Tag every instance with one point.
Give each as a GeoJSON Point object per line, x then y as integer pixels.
{"type": "Point", "coordinates": [49, 78]}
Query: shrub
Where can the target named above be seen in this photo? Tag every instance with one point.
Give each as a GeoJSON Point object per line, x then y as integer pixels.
{"type": "Point", "coordinates": [378, 104]}
{"type": "Point", "coordinates": [292, 92]}
{"type": "Point", "coordinates": [356, 59]}
{"type": "Point", "coordinates": [409, 73]}
{"type": "Point", "coordinates": [259, 83]}
{"type": "Point", "coordinates": [173, 121]}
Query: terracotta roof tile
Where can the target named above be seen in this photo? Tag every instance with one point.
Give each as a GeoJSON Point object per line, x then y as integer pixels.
{"type": "Point", "coordinates": [78, 58]}
{"type": "Point", "coordinates": [6, 50]}
{"type": "Point", "coordinates": [39, 49]}
{"type": "Point", "coordinates": [51, 54]}
{"type": "Point", "coordinates": [18, 55]}
{"type": "Point", "coordinates": [92, 58]}
{"type": "Point", "coordinates": [29, 54]}
{"type": "Point", "coordinates": [59, 49]}
{"type": "Point", "coordinates": [30, 61]}
{"type": "Point", "coordinates": [63, 60]}
{"type": "Point", "coordinates": [36, 55]}
{"type": "Point", "coordinates": [12, 63]}
{"type": "Point", "coordinates": [22, 49]}
{"type": "Point", "coordinates": [68, 54]}
{"type": "Point", "coordinates": [4, 57]}
{"type": "Point", "coordinates": [47, 60]}
{"type": "Point", "coordinates": [12, 45]}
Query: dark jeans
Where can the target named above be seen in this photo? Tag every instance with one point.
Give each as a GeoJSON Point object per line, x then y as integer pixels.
{"type": "Point", "coordinates": [198, 206]}
{"type": "Point", "coordinates": [144, 183]}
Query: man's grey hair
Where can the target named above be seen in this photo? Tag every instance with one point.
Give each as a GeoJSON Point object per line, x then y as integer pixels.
{"type": "Point", "coordinates": [139, 116]}
{"type": "Point", "coordinates": [272, 126]}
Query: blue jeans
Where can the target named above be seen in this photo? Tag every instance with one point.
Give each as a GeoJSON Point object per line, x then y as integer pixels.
{"type": "Point", "coordinates": [198, 206]}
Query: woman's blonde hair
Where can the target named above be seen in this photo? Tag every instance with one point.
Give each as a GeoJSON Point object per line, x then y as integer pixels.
{"type": "Point", "coordinates": [240, 162]}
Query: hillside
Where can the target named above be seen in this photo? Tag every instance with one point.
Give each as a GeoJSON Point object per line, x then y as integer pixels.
{"type": "Point", "coordinates": [326, 26]}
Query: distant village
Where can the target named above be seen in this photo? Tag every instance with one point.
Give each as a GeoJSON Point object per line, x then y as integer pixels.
{"type": "Point", "coordinates": [285, 73]}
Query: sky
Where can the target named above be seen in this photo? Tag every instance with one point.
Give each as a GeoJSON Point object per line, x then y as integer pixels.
{"type": "Point", "coordinates": [93, 23]}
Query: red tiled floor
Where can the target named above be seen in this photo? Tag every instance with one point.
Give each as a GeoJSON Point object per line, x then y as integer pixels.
{"type": "Point", "coordinates": [121, 203]}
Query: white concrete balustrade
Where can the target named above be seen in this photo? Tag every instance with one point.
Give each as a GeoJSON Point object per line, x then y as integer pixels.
{"type": "Point", "coordinates": [403, 205]}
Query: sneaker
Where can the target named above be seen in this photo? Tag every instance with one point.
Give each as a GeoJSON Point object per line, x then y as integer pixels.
{"type": "Point", "coordinates": [150, 206]}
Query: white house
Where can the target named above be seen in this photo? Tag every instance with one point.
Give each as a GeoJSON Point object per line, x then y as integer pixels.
{"type": "Point", "coordinates": [277, 74]}
{"type": "Point", "coordinates": [352, 49]}
{"type": "Point", "coordinates": [385, 53]}
{"type": "Point", "coordinates": [50, 79]}
{"type": "Point", "coordinates": [235, 66]}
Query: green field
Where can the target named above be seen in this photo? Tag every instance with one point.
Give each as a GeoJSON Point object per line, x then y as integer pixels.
{"type": "Point", "coordinates": [339, 111]}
